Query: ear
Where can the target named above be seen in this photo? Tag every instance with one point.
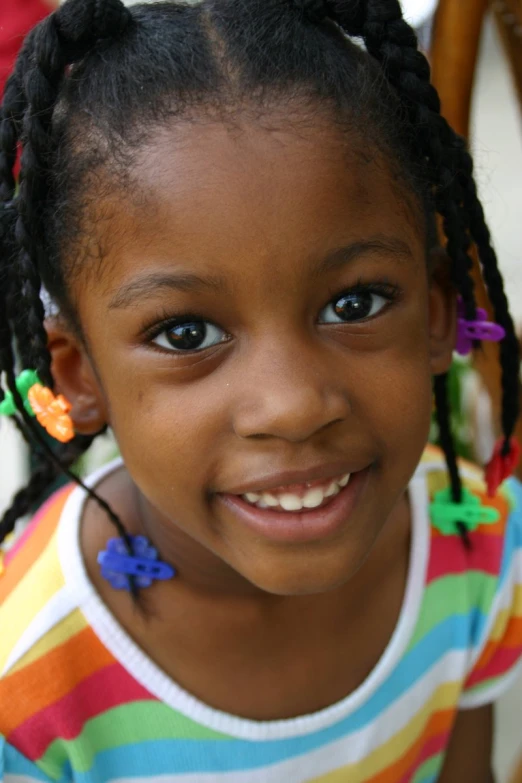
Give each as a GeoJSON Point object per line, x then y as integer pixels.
{"type": "Point", "coordinates": [442, 312]}
{"type": "Point", "coordinates": [75, 378]}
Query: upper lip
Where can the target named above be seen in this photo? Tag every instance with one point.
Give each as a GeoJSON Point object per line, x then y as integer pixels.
{"type": "Point", "coordinates": [266, 482]}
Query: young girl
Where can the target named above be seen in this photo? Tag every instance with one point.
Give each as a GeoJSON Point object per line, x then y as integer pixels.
{"type": "Point", "coordinates": [230, 210]}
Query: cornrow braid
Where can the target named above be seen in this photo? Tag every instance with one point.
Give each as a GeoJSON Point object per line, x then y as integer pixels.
{"type": "Point", "coordinates": [391, 41]}
{"type": "Point", "coordinates": [393, 44]}
{"type": "Point", "coordinates": [26, 115]}
{"type": "Point", "coordinates": [42, 477]}
{"type": "Point", "coordinates": [41, 446]}
{"type": "Point", "coordinates": [11, 115]}
{"type": "Point", "coordinates": [509, 347]}
{"type": "Point", "coordinates": [42, 80]}
{"type": "Point", "coordinates": [440, 388]}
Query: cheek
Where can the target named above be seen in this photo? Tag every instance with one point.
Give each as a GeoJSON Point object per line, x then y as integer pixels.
{"type": "Point", "coordinates": [394, 394]}
{"type": "Point", "coordinates": [167, 435]}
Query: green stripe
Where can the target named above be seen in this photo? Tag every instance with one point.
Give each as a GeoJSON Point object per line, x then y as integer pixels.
{"type": "Point", "coordinates": [486, 684]}
{"type": "Point", "coordinates": [451, 595]}
{"type": "Point", "coordinates": [127, 724]}
{"type": "Point", "coordinates": [431, 767]}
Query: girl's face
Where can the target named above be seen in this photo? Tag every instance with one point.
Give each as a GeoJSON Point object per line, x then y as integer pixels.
{"type": "Point", "coordinates": [263, 317]}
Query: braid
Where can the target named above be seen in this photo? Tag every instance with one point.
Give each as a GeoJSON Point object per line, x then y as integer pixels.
{"type": "Point", "coordinates": [509, 347]}
{"type": "Point", "coordinates": [42, 82]}
{"type": "Point", "coordinates": [448, 447]}
{"type": "Point", "coordinates": [41, 446]}
{"type": "Point", "coordinates": [445, 437]}
{"type": "Point", "coordinates": [26, 117]}
{"type": "Point", "coordinates": [391, 41]}
{"type": "Point", "coordinates": [11, 115]}
{"type": "Point", "coordinates": [43, 477]}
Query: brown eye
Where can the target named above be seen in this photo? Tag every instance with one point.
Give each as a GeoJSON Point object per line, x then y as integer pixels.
{"type": "Point", "coordinates": [189, 337]}
{"type": "Point", "coordinates": [353, 306]}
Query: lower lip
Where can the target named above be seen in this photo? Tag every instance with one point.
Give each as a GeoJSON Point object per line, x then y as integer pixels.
{"type": "Point", "coordinates": [300, 526]}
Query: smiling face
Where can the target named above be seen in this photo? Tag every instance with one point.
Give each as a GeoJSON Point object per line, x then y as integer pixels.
{"type": "Point", "coordinates": [264, 308]}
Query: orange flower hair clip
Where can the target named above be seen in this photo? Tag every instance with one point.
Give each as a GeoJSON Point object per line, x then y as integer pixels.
{"type": "Point", "coordinates": [51, 412]}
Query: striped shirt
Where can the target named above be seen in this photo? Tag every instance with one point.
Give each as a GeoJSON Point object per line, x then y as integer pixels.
{"type": "Point", "coordinates": [80, 701]}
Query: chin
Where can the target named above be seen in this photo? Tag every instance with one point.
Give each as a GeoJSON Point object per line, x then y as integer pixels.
{"type": "Point", "coordinates": [309, 579]}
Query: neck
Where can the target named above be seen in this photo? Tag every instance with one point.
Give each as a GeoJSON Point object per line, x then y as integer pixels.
{"type": "Point", "coordinates": [201, 572]}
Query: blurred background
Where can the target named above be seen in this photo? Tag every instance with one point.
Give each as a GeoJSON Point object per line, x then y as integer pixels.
{"type": "Point", "coordinates": [487, 89]}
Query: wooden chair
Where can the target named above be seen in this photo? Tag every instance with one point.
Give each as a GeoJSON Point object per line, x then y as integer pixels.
{"type": "Point", "coordinates": [454, 53]}
{"type": "Point", "coordinates": [517, 778]}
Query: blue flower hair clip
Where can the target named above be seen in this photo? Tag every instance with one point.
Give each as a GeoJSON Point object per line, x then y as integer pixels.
{"type": "Point", "coordinates": [117, 565]}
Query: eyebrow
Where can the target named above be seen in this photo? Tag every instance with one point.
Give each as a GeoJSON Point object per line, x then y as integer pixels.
{"type": "Point", "coordinates": [392, 247]}
{"type": "Point", "coordinates": [150, 285]}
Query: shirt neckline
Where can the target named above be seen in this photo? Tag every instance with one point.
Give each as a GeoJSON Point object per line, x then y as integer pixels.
{"type": "Point", "coordinates": [112, 635]}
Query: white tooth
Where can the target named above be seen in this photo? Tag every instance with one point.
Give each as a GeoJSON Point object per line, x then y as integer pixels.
{"type": "Point", "coordinates": [252, 497]}
{"type": "Point", "coordinates": [313, 498]}
{"type": "Point", "coordinates": [269, 499]}
{"type": "Point", "coordinates": [333, 489]}
{"type": "Point", "coordinates": [345, 479]}
{"type": "Point", "coordinates": [290, 502]}
{"type": "Point", "coordinates": [261, 504]}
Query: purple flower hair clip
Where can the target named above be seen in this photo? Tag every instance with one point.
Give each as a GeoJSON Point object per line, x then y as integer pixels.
{"type": "Point", "coordinates": [469, 332]}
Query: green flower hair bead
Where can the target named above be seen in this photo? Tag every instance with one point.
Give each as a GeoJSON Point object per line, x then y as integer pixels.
{"type": "Point", "coordinates": [445, 513]}
{"type": "Point", "coordinates": [25, 381]}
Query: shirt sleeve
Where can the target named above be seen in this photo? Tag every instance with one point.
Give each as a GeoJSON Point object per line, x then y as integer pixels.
{"type": "Point", "coordinates": [496, 659]}
{"type": "Point", "coordinates": [15, 768]}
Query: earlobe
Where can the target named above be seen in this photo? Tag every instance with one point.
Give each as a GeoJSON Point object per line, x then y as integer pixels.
{"type": "Point", "coordinates": [75, 378]}
{"type": "Point", "coordinates": [442, 314]}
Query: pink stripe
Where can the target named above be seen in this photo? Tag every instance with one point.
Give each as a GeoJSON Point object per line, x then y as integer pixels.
{"type": "Point", "coordinates": [432, 747]}
{"type": "Point", "coordinates": [110, 687]}
{"type": "Point", "coordinates": [35, 521]}
{"type": "Point", "coordinates": [501, 662]}
{"type": "Point", "coordinates": [448, 556]}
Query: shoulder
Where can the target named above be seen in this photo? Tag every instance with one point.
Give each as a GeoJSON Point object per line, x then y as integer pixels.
{"type": "Point", "coordinates": [480, 587]}
{"type": "Point", "coordinates": [31, 593]}
{"type": "Point", "coordinates": [495, 545]}
{"type": "Point", "coordinates": [46, 646]}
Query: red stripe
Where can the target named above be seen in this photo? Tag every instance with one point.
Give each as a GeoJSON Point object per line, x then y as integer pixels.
{"type": "Point", "coordinates": [108, 688]}
{"type": "Point", "coordinates": [448, 556]}
{"type": "Point", "coordinates": [500, 663]}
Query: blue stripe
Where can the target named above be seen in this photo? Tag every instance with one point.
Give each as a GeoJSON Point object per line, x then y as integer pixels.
{"type": "Point", "coordinates": [12, 762]}
{"type": "Point", "coordinates": [183, 756]}
{"type": "Point", "coordinates": [513, 534]}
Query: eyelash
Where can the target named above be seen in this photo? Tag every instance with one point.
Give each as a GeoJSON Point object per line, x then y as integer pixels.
{"type": "Point", "coordinates": [166, 320]}
{"type": "Point", "coordinates": [161, 323]}
{"type": "Point", "coordinates": [382, 288]}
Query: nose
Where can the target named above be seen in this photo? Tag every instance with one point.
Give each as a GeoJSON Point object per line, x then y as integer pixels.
{"type": "Point", "coordinates": [289, 392]}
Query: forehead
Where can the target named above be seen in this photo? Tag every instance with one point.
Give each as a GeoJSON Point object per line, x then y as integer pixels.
{"type": "Point", "coordinates": [218, 193]}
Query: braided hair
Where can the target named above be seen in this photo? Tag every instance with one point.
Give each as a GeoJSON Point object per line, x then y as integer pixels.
{"type": "Point", "coordinates": [95, 81]}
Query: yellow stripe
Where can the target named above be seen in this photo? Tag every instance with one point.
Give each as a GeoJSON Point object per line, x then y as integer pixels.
{"type": "Point", "coordinates": [505, 615]}
{"type": "Point", "coordinates": [444, 698]}
{"type": "Point", "coordinates": [59, 634]}
{"type": "Point", "coordinates": [37, 587]}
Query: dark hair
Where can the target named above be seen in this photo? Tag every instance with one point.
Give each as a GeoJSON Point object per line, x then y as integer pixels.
{"type": "Point", "coordinates": [95, 80]}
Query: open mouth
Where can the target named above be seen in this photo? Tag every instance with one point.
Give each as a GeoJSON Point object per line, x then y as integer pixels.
{"type": "Point", "coordinates": [299, 513]}
{"type": "Point", "coordinates": [298, 498]}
